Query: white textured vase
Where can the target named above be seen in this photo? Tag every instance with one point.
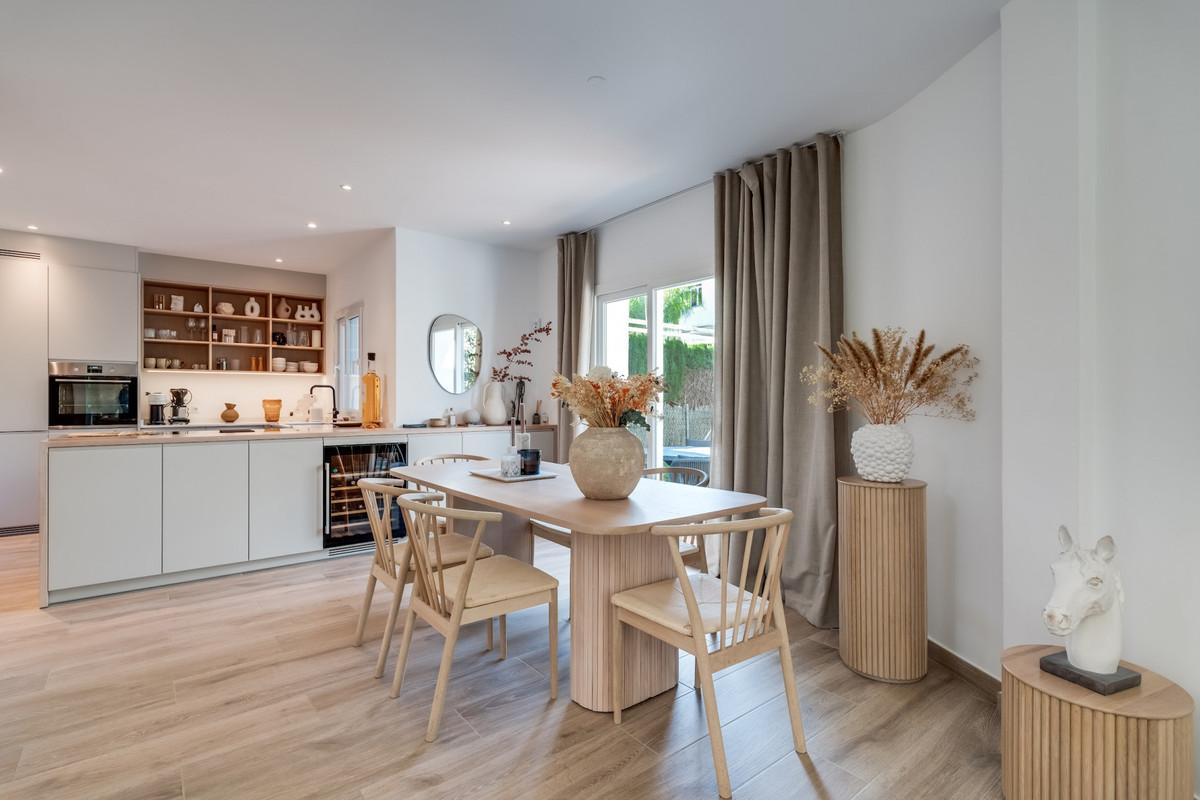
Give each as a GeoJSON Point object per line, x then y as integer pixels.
{"type": "Point", "coordinates": [882, 453]}
{"type": "Point", "coordinates": [606, 463]}
{"type": "Point", "coordinates": [495, 410]}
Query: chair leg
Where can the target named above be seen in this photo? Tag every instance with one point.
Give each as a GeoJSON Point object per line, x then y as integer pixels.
{"type": "Point", "coordinates": [410, 619]}
{"type": "Point", "coordinates": [386, 644]}
{"type": "Point", "coordinates": [554, 644]}
{"type": "Point", "coordinates": [709, 694]}
{"type": "Point", "coordinates": [366, 609]}
{"type": "Point", "coordinates": [489, 634]}
{"type": "Point", "coordinates": [618, 688]}
{"type": "Point", "coordinates": [696, 674]}
{"type": "Point", "coordinates": [503, 636]}
{"type": "Point", "coordinates": [439, 694]}
{"type": "Point", "coordinates": [789, 689]}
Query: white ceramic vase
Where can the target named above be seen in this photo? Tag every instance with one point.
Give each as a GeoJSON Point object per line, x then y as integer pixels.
{"type": "Point", "coordinates": [252, 309]}
{"type": "Point", "coordinates": [606, 463]}
{"type": "Point", "coordinates": [495, 410]}
{"type": "Point", "coordinates": [882, 453]}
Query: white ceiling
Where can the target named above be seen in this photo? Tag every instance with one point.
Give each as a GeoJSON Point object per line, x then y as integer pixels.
{"type": "Point", "coordinates": [218, 129]}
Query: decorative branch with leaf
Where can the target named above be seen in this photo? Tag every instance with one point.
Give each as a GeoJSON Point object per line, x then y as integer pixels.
{"type": "Point", "coordinates": [890, 378]}
{"type": "Point", "coordinates": [604, 399]}
{"type": "Point", "coordinates": [518, 357]}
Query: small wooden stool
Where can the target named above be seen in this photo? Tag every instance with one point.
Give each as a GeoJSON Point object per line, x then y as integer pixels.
{"type": "Point", "coordinates": [1060, 740]}
{"type": "Point", "coordinates": [881, 579]}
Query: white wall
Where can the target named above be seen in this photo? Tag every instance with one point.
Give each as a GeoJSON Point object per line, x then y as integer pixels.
{"type": "Point", "coordinates": [211, 392]}
{"type": "Point", "coordinates": [1101, 197]}
{"type": "Point", "coordinates": [505, 291]}
{"type": "Point", "coordinates": [921, 207]}
{"type": "Point", "coordinates": [670, 241]}
{"type": "Point", "coordinates": [369, 277]}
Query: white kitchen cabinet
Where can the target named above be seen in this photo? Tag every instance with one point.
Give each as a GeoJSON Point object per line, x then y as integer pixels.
{"type": "Point", "coordinates": [95, 314]}
{"type": "Point", "coordinates": [287, 497]}
{"type": "Point", "coordinates": [492, 444]}
{"type": "Point", "coordinates": [105, 515]}
{"type": "Point", "coordinates": [423, 445]}
{"type": "Point", "coordinates": [19, 455]}
{"type": "Point", "coordinates": [23, 333]}
{"type": "Point", "coordinates": [205, 495]}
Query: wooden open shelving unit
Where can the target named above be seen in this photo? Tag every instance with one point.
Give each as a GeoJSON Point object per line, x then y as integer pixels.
{"type": "Point", "coordinates": [193, 343]}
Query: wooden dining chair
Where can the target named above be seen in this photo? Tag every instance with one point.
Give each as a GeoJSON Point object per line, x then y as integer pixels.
{"type": "Point", "coordinates": [448, 597]}
{"type": "Point", "coordinates": [390, 565]}
{"type": "Point", "coordinates": [690, 547]}
{"type": "Point", "coordinates": [745, 613]}
{"type": "Point", "coordinates": [448, 458]}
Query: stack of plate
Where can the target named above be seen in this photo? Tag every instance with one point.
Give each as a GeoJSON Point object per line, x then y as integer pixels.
{"type": "Point", "coordinates": [278, 364]}
{"type": "Point", "coordinates": [292, 366]}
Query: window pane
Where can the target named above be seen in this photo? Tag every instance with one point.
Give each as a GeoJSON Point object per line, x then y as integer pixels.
{"type": "Point", "coordinates": [625, 349]}
{"type": "Point", "coordinates": [684, 323]}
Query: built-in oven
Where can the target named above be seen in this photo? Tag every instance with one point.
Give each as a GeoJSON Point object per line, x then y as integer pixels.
{"type": "Point", "coordinates": [93, 394]}
{"type": "Point", "coordinates": [346, 521]}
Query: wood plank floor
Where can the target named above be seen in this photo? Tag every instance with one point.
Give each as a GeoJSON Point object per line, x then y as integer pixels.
{"type": "Point", "coordinates": [247, 687]}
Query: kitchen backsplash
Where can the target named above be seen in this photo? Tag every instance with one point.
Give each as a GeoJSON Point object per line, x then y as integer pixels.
{"type": "Point", "coordinates": [211, 392]}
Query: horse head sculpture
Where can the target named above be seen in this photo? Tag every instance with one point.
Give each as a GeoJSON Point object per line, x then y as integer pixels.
{"type": "Point", "coordinates": [1085, 605]}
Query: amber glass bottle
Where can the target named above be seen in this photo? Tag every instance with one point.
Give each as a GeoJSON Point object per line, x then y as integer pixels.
{"type": "Point", "coordinates": [372, 396]}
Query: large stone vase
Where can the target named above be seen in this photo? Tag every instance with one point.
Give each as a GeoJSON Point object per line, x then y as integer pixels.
{"type": "Point", "coordinates": [495, 410]}
{"type": "Point", "coordinates": [607, 463]}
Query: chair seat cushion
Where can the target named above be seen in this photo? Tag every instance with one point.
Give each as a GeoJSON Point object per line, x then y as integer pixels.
{"type": "Point", "coordinates": [498, 578]}
{"type": "Point", "coordinates": [664, 603]}
{"type": "Point", "coordinates": [454, 546]}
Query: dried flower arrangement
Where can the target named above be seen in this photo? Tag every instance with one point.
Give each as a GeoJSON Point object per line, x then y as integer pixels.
{"type": "Point", "coordinates": [604, 399]}
{"type": "Point", "coordinates": [891, 378]}
{"type": "Point", "coordinates": [518, 356]}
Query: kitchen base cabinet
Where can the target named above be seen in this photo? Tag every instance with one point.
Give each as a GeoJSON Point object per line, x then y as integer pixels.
{"type": "Point", "coordinates": [104, 516]}
{"type": "Point", "coordinates": [287, 497]}
{"type": "Point", "coordinates": [433, 444]}
{"type": "Point", "coordinates": [19, 454]}
{"type": "Point", "coordinates": [205, 502]}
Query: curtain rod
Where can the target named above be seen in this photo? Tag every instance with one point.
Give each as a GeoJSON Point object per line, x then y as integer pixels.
{"type": "Point", "coordinates": [810, 143]}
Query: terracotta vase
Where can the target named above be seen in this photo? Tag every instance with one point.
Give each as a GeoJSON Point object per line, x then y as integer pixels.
{"type": "Point", "coordinates": [230, 413]}
{"type": "Point", "coordinates": [495, 412]}
{"type": "Point", "coordinates": [271, 410]}
{"type": "Point", "coordinates": [607, 463]}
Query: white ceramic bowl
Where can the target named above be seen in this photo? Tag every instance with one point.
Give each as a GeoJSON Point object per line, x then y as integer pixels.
{"type": "Point", "coordinates": [309, 367]}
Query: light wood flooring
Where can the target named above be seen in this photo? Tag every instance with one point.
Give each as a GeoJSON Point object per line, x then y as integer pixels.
{"type": "Point", "coordinates": [247, 687]}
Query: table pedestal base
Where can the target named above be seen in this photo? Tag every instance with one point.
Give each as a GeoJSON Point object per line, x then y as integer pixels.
{"type": "Point", "coordinates": [602, 566]}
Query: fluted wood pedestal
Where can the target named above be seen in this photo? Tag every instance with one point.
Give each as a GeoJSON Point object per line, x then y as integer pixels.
{"type": "Point", "coordinates": [881, 579]}
{"type": "Point", "coordinates": [1060, 741]}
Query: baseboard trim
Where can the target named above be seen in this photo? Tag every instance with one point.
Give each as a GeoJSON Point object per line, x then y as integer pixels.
{"type": "Point", "coordinates": [966, 670]}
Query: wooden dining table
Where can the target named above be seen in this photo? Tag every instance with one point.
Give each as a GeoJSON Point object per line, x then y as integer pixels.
{"type": "Point", "coordinates": [612, 550]}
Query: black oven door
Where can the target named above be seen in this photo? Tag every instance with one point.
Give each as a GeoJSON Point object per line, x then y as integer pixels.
{"type": "Point", "coordinates": [84, 402]}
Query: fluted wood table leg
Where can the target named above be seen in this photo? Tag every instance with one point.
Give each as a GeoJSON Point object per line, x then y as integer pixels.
{"type": "Point", "coordinates": [602, 566]}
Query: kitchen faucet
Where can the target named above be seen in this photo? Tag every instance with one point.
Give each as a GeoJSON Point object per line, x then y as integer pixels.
{"type": "Point", "coordinates": [331, 389]}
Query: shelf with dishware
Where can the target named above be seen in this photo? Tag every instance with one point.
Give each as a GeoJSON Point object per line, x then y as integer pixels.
{"type": "Point", "coordinates": [242, 331]}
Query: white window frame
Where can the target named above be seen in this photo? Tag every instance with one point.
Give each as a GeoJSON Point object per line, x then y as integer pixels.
{"type": "Point", "coordinates": [341, 374]}
{"type": "Point", "coordinates": [653, 345]}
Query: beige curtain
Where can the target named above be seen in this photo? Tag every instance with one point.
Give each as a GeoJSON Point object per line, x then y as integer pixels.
{"type": "Point", "coordinates": [576, 301]}
{"type": "Point", "coordinates": [779, 290]}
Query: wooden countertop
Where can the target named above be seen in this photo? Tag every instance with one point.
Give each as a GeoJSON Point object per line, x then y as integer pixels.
{"type": "Point", "coordinates": [182, 435]}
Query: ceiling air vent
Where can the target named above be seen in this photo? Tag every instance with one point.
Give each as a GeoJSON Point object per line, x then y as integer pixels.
{"type": "Point", "coordinates": [20, 254]}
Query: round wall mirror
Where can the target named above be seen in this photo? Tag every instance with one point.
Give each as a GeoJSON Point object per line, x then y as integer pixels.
{"type": "Point", "coordinates": [455, 352]}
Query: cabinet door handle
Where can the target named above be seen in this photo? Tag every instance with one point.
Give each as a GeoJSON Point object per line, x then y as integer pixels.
{"type": "Point", "coordinates": [325, 499]}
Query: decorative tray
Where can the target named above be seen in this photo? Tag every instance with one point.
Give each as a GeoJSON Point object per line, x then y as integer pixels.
{"type": "Point", "coordinates": [494, 474]}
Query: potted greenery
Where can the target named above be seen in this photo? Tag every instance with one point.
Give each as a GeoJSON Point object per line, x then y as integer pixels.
{"type": "Point", "coordinates": [888, 379]}
{"type": "Point", "coordinates": [606, 459]}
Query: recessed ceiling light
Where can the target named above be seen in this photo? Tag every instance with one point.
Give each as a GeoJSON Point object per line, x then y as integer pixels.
{"type": "Point", "coordinates": [32, 227]}
{"type": "Point", "coordinates": [312, 224]}
{"type": "Point", "coordinates": [279, 261]}
{"type": "Point", "coordinates": [596, 80]}
{"type": "Point", "coordinates": [507, 222]}
{"type": "Point", "coordinates": [345, 187]}
{"type": "Point", "coordinates": [1, 169]}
